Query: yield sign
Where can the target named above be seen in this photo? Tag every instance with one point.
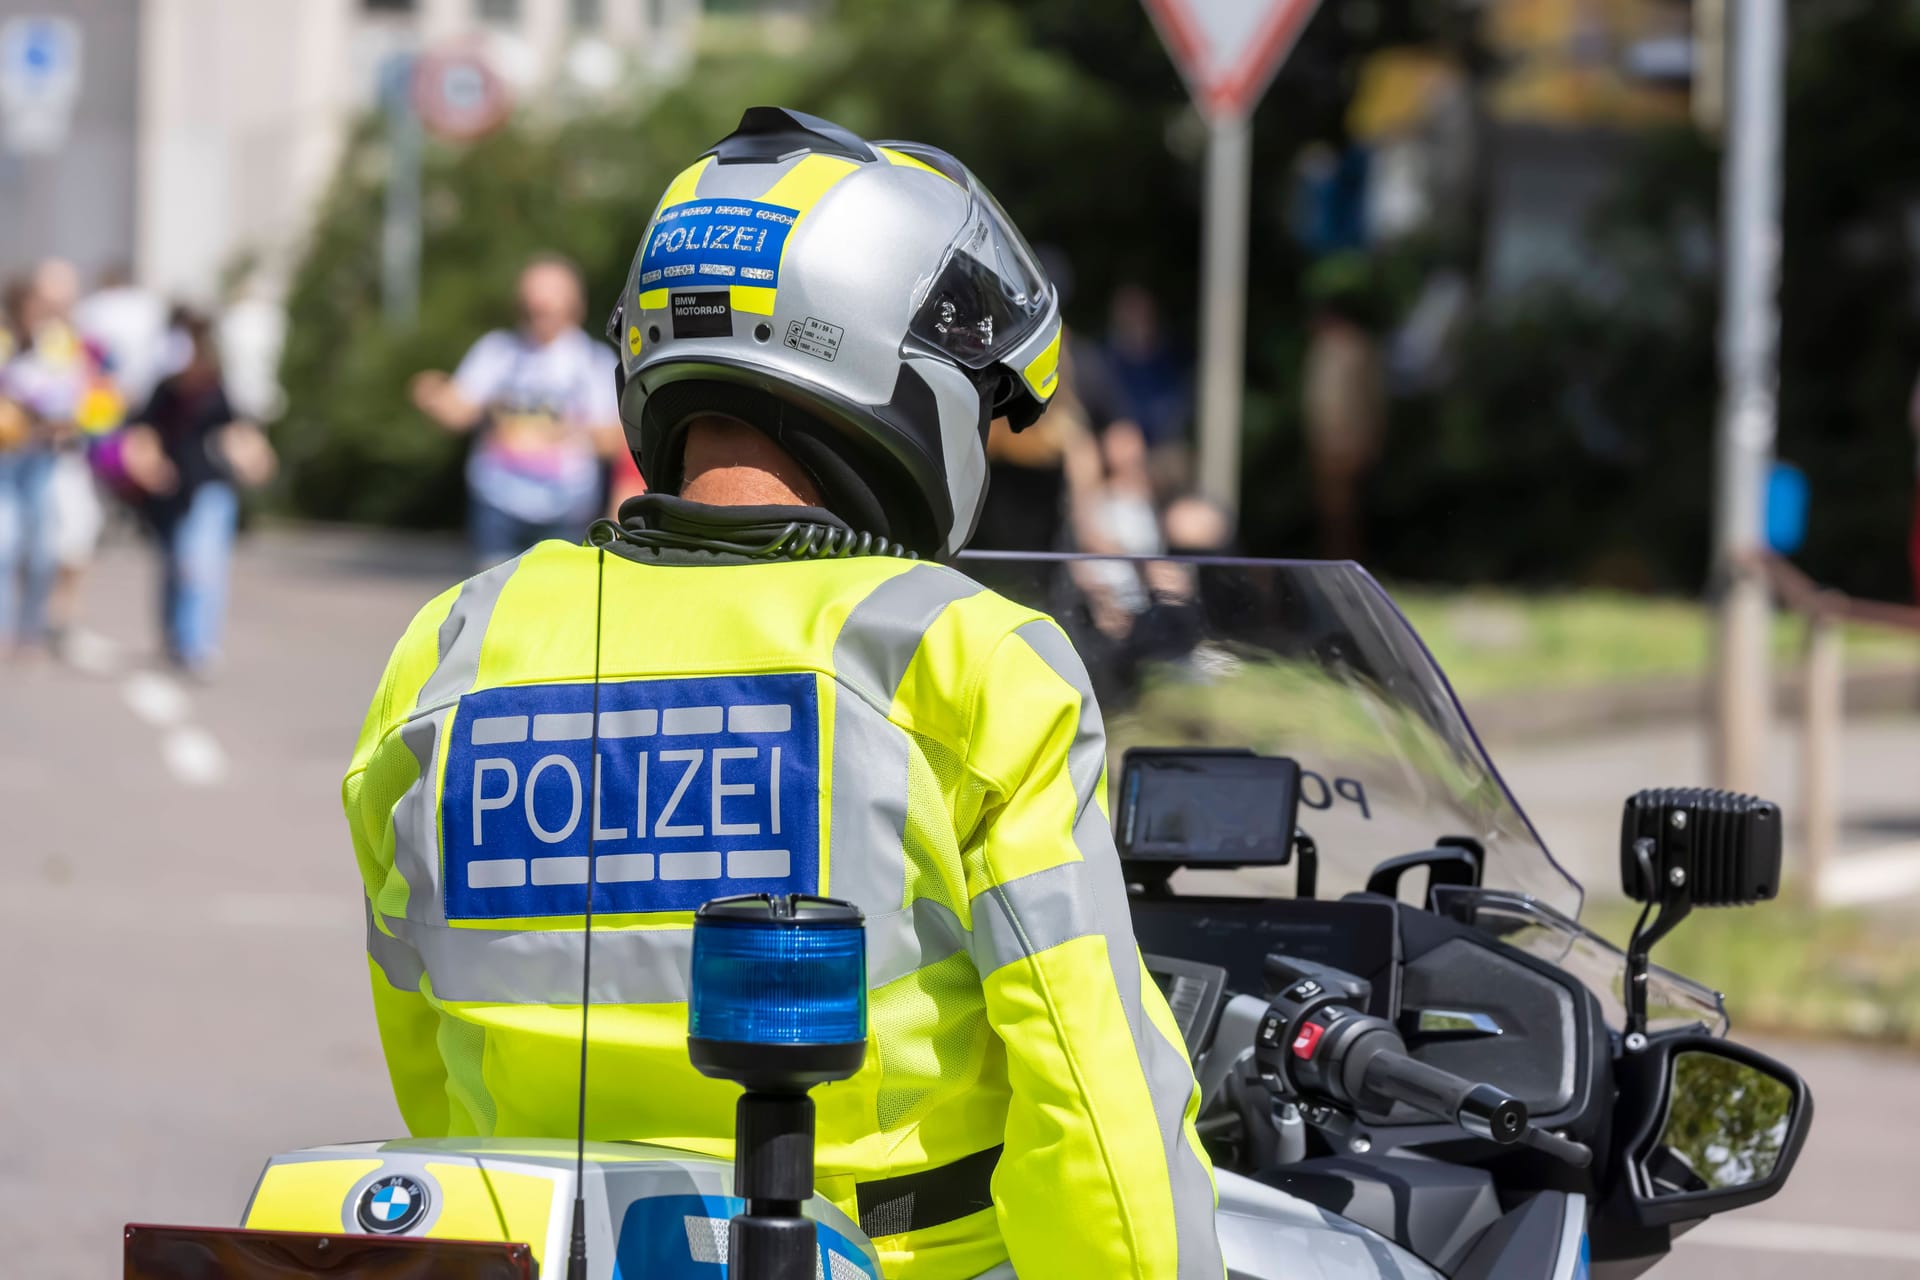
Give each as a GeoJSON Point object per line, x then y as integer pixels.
{"type": "Point", "coordinates": [1227, 50]}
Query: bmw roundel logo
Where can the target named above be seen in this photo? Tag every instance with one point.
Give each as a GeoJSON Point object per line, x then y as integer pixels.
{"type": "Point", "coordinates": [392, 1205]}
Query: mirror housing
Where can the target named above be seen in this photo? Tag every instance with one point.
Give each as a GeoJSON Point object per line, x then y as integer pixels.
{"type": "Point", "coordinates": [1699, 847]}
{"type": "Point", "coordinates": [1733, 1127]}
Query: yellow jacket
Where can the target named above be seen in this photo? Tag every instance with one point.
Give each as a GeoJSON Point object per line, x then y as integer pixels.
{"type": "Point", "coordinates": [873, 729]}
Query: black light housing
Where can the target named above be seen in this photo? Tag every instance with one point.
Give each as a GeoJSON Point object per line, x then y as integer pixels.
{"type": "Point", "coordinates": [778, 1004]}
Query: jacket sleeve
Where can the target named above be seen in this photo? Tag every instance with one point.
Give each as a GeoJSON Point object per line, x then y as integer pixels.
{"type": "Point", "coordinates": [382, 770]}
{"type": "Point", "coordinates": [1103, 1097]}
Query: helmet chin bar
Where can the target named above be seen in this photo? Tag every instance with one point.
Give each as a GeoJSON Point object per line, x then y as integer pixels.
{"type": "Point", "coordinates": [1012, 401]}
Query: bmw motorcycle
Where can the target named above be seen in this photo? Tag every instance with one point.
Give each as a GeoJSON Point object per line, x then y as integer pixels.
{"type": "Point", "coordinates": [1415, 1062]}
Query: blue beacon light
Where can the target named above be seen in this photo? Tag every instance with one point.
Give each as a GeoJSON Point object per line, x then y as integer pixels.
{"type": "Point", "coordinates": [778, 1004]}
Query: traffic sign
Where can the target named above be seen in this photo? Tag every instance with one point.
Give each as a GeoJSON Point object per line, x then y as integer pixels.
{"type": "Point", "coordinates": [39, 80]}
{"type": "Point", "coordinates": [1227, 50]}
{"type": "Point", "coordinates": [458, 96]}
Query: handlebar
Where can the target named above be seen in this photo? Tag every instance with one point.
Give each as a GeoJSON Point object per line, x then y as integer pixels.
{"type": "Point", "coordinates": [1479, 1109]}
{"type": "Point", "coordinates": [1315, 1043]}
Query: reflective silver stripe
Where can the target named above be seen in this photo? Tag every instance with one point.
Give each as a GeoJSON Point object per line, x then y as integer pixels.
{"type": "Point", "coordinates": [416, 818]}
{"type": "Point", "coordinates": [542, 966]}
{"type": "Point", "coordinates": [867, 849]}
{"type": "Point", "coordinates": [1035, 913]}
{"type": "Point", "coordinates": [1169, 1078]}
{"type": "Point", "coordinates": [883, 632]}
{"type": "Point", "coordinates": [1087, 757]}
{"type": "Point", "coordinates": [904, 942]}
{"type": "Point", "coordinates": [630, 966]}
{"type": "Point", "coordinates": [876, 644]}
{"type": "Point", "coordinates": [396, 959]}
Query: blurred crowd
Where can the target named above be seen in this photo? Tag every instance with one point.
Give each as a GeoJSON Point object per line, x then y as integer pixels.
{"type": "Point", "coordinates": [1108, 468]}
{"type": "Point", "coordinates": [116, 409]}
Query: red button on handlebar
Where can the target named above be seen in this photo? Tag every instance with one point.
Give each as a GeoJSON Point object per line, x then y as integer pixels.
{"type": "Point", "coordinates": [1308, 1040]}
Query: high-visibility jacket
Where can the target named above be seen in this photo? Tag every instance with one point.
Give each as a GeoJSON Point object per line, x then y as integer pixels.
{"type": "Point", "coordinates": [872, 729]}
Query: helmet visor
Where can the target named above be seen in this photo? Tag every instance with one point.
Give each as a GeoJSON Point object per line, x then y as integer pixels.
{"type": "Point", "coordinates": [989, 293]}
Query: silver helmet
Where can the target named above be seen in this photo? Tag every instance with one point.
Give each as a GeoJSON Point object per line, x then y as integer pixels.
{"type": "Point", "coordinates": [868, 305]}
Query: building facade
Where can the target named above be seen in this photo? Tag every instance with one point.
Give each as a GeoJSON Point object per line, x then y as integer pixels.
{"type": "Point", "coordinates": [204, 131]}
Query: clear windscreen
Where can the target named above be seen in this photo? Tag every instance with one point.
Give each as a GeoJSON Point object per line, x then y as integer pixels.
{"type": "Point", "coordinates": [1314, 661]}
{"type": "Point", "coordinates": [1673, 1002]}
{"type": "Point", "coordinates": [1296, 658]}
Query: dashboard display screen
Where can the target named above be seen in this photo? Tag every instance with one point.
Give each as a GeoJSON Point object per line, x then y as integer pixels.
{"type": "Point", "coordinates": [1207, 808]}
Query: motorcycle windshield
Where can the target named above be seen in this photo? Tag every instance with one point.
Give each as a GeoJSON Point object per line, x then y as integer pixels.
{"type": "Point", "coordinates": [1297, 658]}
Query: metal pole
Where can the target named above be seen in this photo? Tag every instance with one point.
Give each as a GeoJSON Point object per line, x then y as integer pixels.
{"type": "Point", "coordinates": [1749, 351]}
{"type": "Point", "coordinates": [400, 223]}
{"type": "Point", "coordinates": [1223, 307]}
{"type": "Point", "coordinates": [1821, 709]}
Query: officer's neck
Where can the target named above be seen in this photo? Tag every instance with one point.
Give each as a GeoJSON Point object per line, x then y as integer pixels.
{"type": "Point", "coordinates": [729, 464]}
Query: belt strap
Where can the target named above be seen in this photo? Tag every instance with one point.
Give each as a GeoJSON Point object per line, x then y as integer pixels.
{"type": "Point", "coordinates": [929, 1198]}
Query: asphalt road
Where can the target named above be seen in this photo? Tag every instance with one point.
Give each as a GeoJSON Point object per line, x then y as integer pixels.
{"type": "Point", "coordinates": [180, 950]}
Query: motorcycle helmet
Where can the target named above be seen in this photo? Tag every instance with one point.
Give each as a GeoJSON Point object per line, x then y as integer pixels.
{"type": "Point", "coordinates": [868, 305]}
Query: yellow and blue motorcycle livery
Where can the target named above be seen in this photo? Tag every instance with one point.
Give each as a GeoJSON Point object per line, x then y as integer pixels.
{"type": "Point", "coordinates": [1415, 1064]}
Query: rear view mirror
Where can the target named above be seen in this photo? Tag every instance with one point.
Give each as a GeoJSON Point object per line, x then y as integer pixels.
{"type": "Point", "coordinates": [1726, 1128]}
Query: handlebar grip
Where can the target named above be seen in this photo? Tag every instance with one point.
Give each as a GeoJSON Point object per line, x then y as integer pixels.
{"type": "Point", "coordinates": [1480, 1109]}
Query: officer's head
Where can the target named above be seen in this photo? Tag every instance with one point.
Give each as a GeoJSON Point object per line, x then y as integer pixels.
{"type": "Point", "coordinates": [868, 307]}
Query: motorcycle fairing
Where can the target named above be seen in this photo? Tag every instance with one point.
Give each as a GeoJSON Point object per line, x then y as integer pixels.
{"type": "Point", "coordinates": [651, 1211]}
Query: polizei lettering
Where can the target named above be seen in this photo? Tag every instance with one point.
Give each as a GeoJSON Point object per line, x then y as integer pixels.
{"type": "Point", "coordinates": [715, 236]}
{"type": "Point", "coordinates": [683, 790]}
{"type": "Point", "coordinates": [716, 242]}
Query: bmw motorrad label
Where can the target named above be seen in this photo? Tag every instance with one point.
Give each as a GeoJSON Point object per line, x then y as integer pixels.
{"type": "Point", "coordinates": [699, 788]}
{"type": "Point", "coordinates": [716, 242]}
{"type": "Point", "coordinates": [707, 313]}
{"type": "Point", "coordinates": [392, 1205]}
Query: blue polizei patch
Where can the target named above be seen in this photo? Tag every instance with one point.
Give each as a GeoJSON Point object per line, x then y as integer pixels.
{"type": "Point", "coordinates": [716, 242]}
{"type": "Point", "coordinates": [705, 787]}
{"type": "Point", "coordinates": [685, 1238]}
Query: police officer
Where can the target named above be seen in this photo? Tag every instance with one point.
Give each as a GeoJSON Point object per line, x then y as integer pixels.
{"type": "Point", "coordinates": [764, 683]}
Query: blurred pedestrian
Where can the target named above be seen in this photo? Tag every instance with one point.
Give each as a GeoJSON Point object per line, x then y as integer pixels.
{"type": "Point", "coordinates": [128, 323]}
{"type": "Point", "coordinates": [1344, 394]}
{"type": "Point", "coordinates": [189, 455]}
{"type": "Point", "coordinates": [1155, 380]}
{"type": "Point", "coordinates": [1043, 481]}
{"type": "Point", "coordinates": [26, 468]}
{"type": "Point", "coordinates": [92, 405]}
{"type": "Point", "coordinates": [1118, 520]}
{"type": "Point", "coordinates": [47, 523]}
{"type": "Point", "coordinates": [542, 397]}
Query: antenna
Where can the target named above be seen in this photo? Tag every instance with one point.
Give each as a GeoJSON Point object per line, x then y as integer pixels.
{"type": "Point", "coordinates": [577, 1243]}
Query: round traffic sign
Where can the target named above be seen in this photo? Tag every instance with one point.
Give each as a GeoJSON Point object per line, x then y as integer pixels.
{"type": "Point", "coordinates": [458, 96]}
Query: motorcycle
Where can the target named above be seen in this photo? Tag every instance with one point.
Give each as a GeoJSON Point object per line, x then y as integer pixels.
{"type": "Point", "coordinates": [1415, 1063]}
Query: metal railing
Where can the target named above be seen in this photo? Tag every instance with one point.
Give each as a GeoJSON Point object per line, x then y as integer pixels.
{"type": "Point", "coordinates": [1827, 612]}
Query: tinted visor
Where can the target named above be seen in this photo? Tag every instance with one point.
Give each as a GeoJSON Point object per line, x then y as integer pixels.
{"type": "Point", "coordinates": [989, 292]}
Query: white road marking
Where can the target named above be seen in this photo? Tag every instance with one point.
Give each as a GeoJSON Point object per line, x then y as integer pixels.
{"type": "Point", "coordinates": [1808, 1237]}
{"type": "Point", "coordinates": [1892, 872]}
{"type": "Point", "coordinates": [194, 756]}
{"type": "Point", "coordinates": [156, 699]}
{"type": "Point", "coordinates": [90, 653]}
